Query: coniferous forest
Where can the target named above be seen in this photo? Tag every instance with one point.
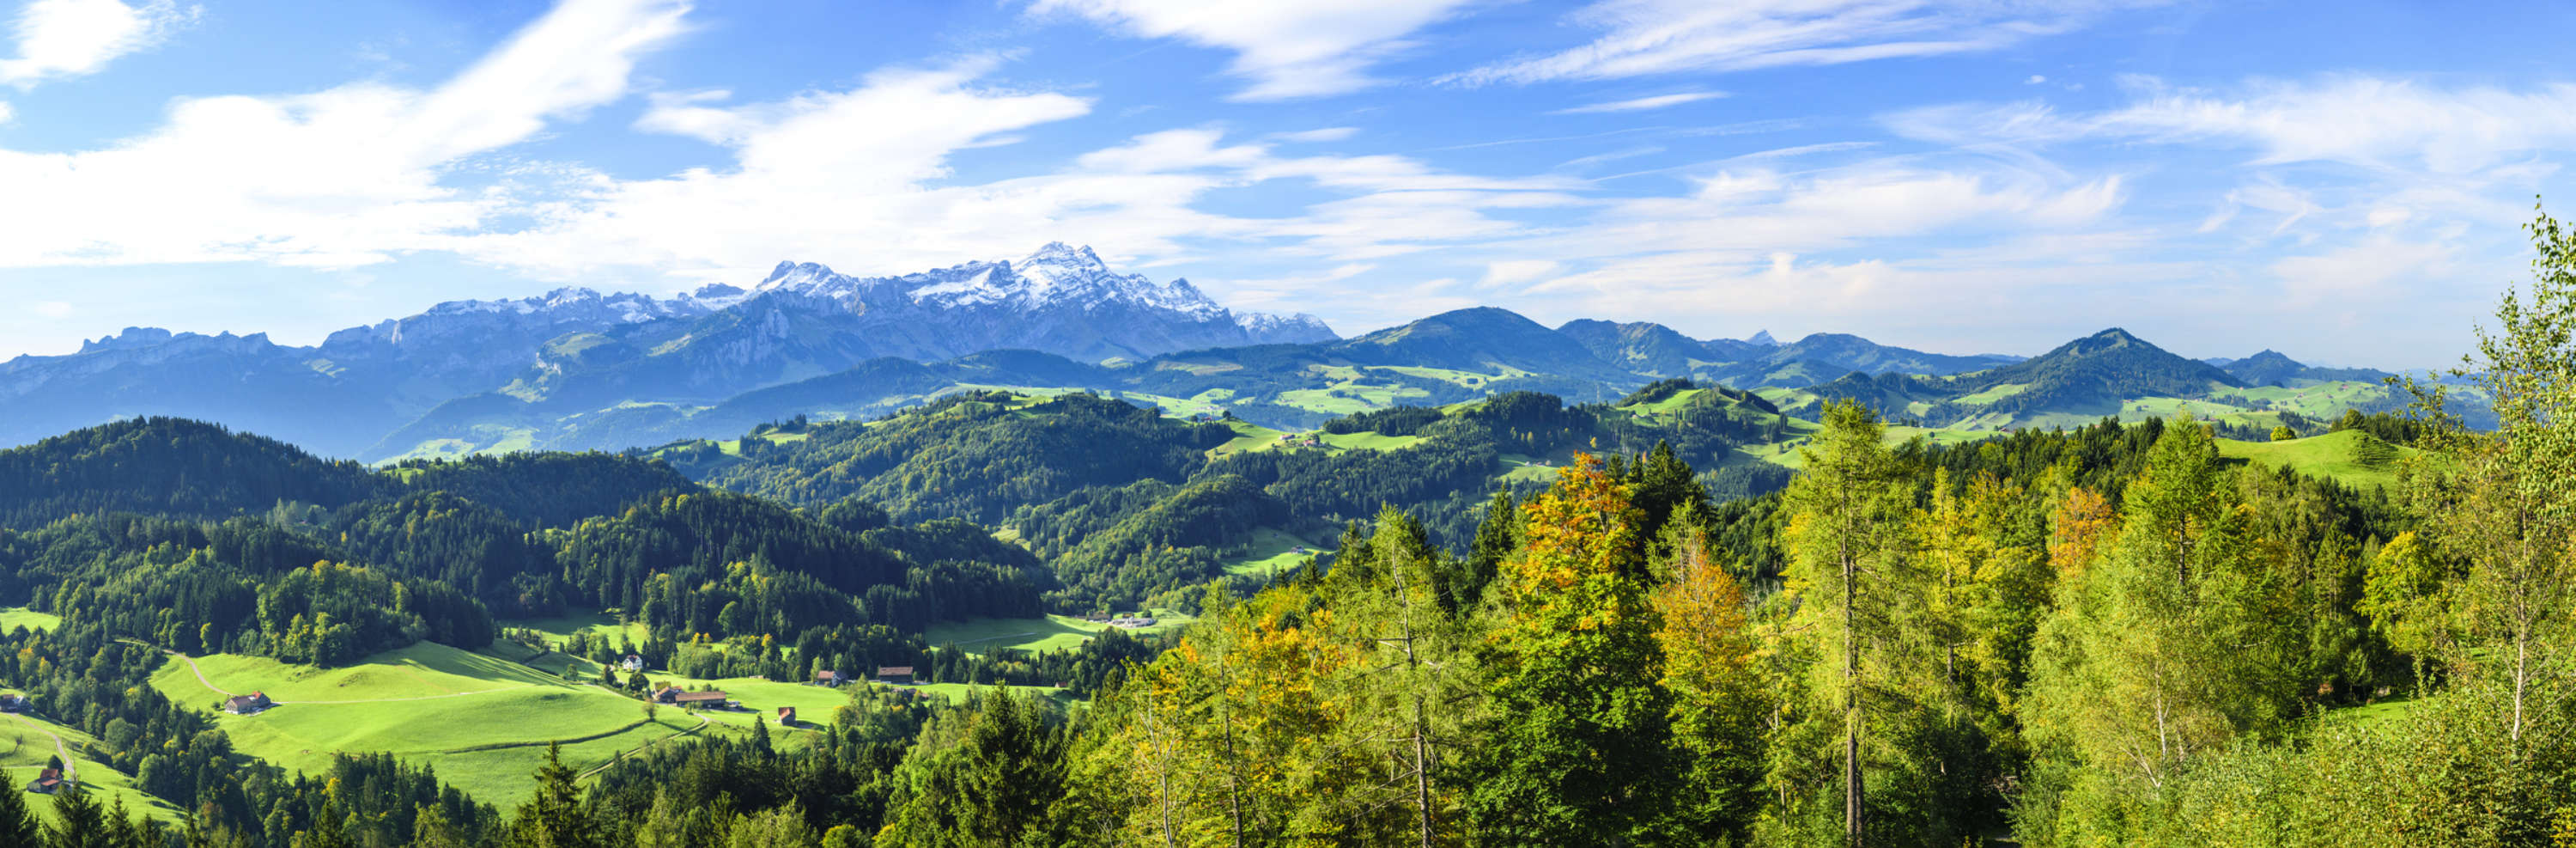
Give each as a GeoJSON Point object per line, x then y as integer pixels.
{"type": "Point", "coordinates": [2106, 635]}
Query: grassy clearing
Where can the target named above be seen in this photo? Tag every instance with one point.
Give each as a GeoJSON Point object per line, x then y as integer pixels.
{"type": "Point", "coordinates": [1993, 394]}
{"type": "Point", "coordinates": [1247, 437]}
{"type": "Point", "coordinates": [428, 703]}
{"type": "Point", "coordinates": [17, 617]}
{"type": "Point", "coordinates": [28, 747]}
{"type": "Point", "coordinates": [1786, 454]}
{"type": "Point", "coordinates": [421, 670]}
{"type": "Point", "coordinates": [1668, 405]}
{"type": "Point", "coordinates": [2319, 400]}
{"type": "Point", "coordinates": [1368, 440]}
{"type": "Point", "coordinates": [2370, 714]}
{"type": "Point", "coordinates": [2331, 455]}
{"type": "Point", "coordinates": [1468, 379]}
{"type": "Point", "coordinates": [598, 625]}
{"type": "Point", "coordinates": [1046, 633]}
{"type": "Point", "coordinates": [1273, 551]}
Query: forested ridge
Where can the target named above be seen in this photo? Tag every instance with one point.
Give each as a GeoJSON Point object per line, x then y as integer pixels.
{"type": "Point", "coordinates": [2107, 635]}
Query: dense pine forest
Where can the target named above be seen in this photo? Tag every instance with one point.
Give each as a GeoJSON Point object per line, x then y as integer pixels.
{"type": "Point", "coordinates": [2106, 635]}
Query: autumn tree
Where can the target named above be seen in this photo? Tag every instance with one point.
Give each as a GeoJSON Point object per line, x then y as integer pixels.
{"type": "Point", "coordinates": [1719, 701]}
{"type": "Point", "coordinates": [1574, 746]}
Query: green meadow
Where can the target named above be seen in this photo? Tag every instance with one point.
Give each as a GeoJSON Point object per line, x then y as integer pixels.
{"type": "Point", "coordinates": [1273, 551]}
{"type": "Point", "coordinates": [1045, 633]}
{"type": "Point", "coordinates": [17, 617]}
{"type": "Point", "coordinates": [482, 721]}
{"type": "Point", "coordinates": [2331, 455]}
{"type": "Point", "coordinates": [24, 748]}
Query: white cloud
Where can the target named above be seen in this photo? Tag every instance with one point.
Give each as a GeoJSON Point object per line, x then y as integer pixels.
{"type": "Point", "coordinates": [1643, 103]}
{"type": "Point", "coordinates": [70, 38]}
{"type": "Point", "coordinates": [2358, 120]}
{"type": "Point", "coordinates": [52, 308]}
{"type": "Point", "coordinates": [2034, 79]}
{"type": "Point", "coordinates": [340, 177]}
{"type": "Point", "coordinates": [1286, 50]}
{"type": "Point", "coordinates": [1644, 37]}
{"type": "Point", "coordinates": [6, 113]}
{"type": "Point", "coordinates": [859, 180]}
{"type": "Point", "coordinates": [1516, 271]}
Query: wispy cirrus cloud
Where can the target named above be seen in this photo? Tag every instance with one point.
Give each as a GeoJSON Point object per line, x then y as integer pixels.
{"type": "Point", "coordinates": [1640, 104]}
{"type": "Point", "coordinates": [1649, 37]}
{"type": "Point", "coordinates": [2354, 119]}
{"type": "Point", "coordinates": [1309, 48]}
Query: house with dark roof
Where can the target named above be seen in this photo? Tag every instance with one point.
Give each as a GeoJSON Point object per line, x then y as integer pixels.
{"type": "Point", "coordinates": [709, 699]}
{"type": "Point", "coordinates": [894, 674]}
{"type": "Point", "coordinates": [830, 678]}
{"type": "Point", "coordinates": [249, 704]}
{"type": "Point", "coordinates": [632, 662]}
{"type": "Point", "coordinates": [787, 716]}
{"type": "Point", "coordinates": [48, 782]}
{"type": "Point", "coordinates": [15, 703]}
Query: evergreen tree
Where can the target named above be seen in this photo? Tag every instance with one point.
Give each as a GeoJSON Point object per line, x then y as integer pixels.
{"type": "Point", "coordinates": [1575, 749]}
{"type": "Point", "coordinates": [555, 817]}
{"type": "Point", "coordinates": [17, 822]}
{"type": "Point", "coordinates": [1496, 536]}
{"type": "Point", "coordinates": [79, 821]}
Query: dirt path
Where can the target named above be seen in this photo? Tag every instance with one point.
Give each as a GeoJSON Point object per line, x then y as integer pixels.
{"type": "Point", "coordinates": [703, 721]}
{"type": "Point", "coordinates": [200, 673]}
{"type": "Point", "coordinates": [71, 770]}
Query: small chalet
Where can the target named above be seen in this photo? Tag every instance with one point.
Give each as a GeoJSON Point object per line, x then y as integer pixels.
{"type": "Point", "coordinates": [830, 678]}
{"type": "Point", "coordinates": [631, 663]}
{"type": "Point", "coordinates": [894, 674]}
{"type": "Point", "coordinates": [786, 716]}
{"type": "Point", "coordinates": [709, 699]}
{"type": "Point", "coordinates": [666, 695]}
{"type": "Point", "coordinates": [11, 703]}
{"type": "Point", "coordinates": [48, 782]}
{"type": "Point", "coordinates": [249, 704]}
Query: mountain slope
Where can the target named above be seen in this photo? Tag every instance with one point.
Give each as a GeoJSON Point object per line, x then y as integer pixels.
{"type": "Point", "coordinates": [1479, 339]}
{"type": "Point", "coordinates": [2271, 368]}
{"type": "Point", "coordinates": [574, 351]}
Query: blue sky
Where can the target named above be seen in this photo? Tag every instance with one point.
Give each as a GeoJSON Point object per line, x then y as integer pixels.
{"type": "Point", "coordinates": [2344, 182]}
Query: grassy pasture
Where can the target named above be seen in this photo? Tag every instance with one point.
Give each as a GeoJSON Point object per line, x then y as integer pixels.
{"type": "Point", "coordinates": [1273, 551]}
{"type": "Point", "coordinates": [24, 748]}
{"type": "Point", "coordinates": [598, 625]}
{"type": "Point", "coordinates": [482, 720]}
{"type": "Point", "coordinates": [2331, 455]}
{"type": "Point", "coordinates": [1045, 633]}
{"type": "Point", "coordinates": [17, 617]}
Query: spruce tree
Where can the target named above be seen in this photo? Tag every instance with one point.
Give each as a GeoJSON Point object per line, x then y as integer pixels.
{"type": "Point", "coordinates": [17, 822]}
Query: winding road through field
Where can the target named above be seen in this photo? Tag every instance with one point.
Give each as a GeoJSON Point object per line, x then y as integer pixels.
{"type": "Point", "coordinates": [71, 770]}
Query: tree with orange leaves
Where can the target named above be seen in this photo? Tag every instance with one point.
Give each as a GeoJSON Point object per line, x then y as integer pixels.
{"type": "Point", "coordinates": [1576, 747]}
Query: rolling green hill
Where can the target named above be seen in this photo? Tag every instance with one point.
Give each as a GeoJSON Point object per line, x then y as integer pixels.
{"type": "Point", "coordinates": [2352, 457]}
